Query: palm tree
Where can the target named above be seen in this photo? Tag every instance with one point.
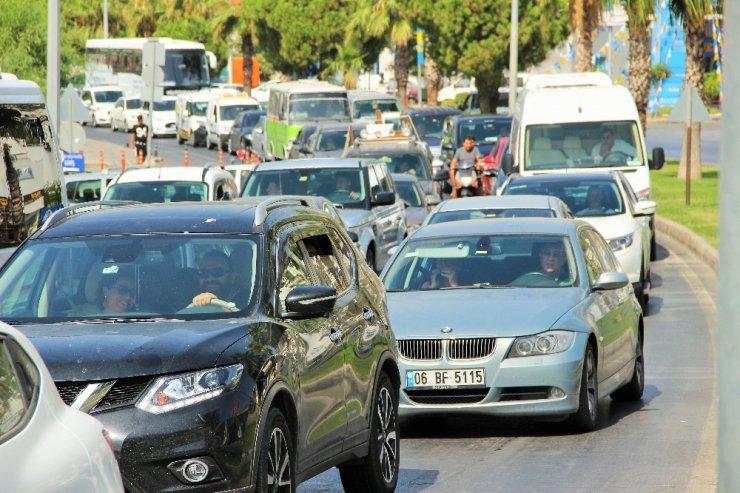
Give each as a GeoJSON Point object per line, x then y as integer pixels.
{"type": "Point", "coordinates": [584, 18]}
{"type": "Point", "coordinates": [639, 14]}
{"type": "Point", "coordinates": [389, 20]}
{"type": "Point", "coordinates": [235, 18]}
{"type": "Point", "coordinates": [691, 13]}
{"type": "Point", "coordinates": [348, 62]}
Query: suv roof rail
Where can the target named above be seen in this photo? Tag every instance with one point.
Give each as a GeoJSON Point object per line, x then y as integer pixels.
{"type": "Point", "coordinates": [264, 207]}
{"type": "Point", "coordinates": [82, 208]}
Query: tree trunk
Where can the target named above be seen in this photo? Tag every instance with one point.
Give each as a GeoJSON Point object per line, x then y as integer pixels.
{"type": "Point", "coordinates": [487, 94]}
{"type": "Point", "coordinates": [401, 72]}
{"type": "Point", "coordinates": [247, 53]}
{"type": "Point", "coordinates": [639, 66]}
{"type": "Point", "coordinates": [694, 32]}
{"type": "Point", "coordinates": [695, 153]}
{"type": "Point", "coordinates": [584, 48]}
{"type": "Point", "coordinates": [434, 81]}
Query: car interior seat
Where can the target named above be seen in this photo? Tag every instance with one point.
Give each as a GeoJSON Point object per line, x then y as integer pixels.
{"type": "Point", "coordinates": [573, 147]}
{"type": "Point", "coordinates": [542, 153]}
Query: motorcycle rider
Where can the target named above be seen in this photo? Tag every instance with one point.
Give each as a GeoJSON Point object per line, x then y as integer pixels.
{"type": "Point", "coordinates": [467, 154]}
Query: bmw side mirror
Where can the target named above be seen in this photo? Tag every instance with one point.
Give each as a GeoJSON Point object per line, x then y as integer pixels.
{"type": "Point", "coordinates": [309, 302]}
{"type": "Point", "coordinates": [658, 158]}
{"type": "Point", "coordinates": [608, 281]}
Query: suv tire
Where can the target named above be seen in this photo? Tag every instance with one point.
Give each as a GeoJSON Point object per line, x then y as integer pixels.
{"type": "Point", "coordinates": [276, 456]}
{"type": "Point", "coordinates": [378, 471]}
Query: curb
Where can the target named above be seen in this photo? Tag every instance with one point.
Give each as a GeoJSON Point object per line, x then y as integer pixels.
{"type": "Point", "coordinates": [691, 240]}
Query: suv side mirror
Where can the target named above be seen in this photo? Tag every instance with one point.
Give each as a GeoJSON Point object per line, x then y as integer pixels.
{"type": "Point", "coordinates": [658, 158]}
{"type": "Point", "coordinates": [442, 175]}
{"type": "Point", "coordinates": [384, 198]}
{"type": "Point", "coordinates": [309, 302]}
{"type": "Point", "coordinates": [257, 130]}
{"type": "Point", "coordinates": [507, 163]}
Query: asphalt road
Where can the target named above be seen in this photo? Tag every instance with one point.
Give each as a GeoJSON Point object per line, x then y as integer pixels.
{"type": "Point", "coordinates": [666, 443]}
{"type": "Point", "coordinates": [671, 135]}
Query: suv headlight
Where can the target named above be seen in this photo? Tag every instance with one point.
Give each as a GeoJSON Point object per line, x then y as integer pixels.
{"type": "Point", "coordinates": [550, 342]}
{"type": "Point", "coordinates": [177, 391]}
{"type": "Point", "coordinates": [622, 242]}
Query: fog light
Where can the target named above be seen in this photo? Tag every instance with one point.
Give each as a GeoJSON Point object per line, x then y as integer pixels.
{"type": "Point", "coordinates": [195, 470]}
{"type": "Point", "coordinates": [556, 393]}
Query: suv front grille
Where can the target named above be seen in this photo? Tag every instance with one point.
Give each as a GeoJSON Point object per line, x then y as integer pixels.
{"type": "Point", "coordinates": [124, 392]}
{"type": "Point", "coordinates": [457, 349]}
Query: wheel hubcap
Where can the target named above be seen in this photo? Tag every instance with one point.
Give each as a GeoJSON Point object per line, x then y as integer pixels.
{"type": "Point", "coordinates": [278, 463]}
{"type": "Point", "coordinates": [387, 437]}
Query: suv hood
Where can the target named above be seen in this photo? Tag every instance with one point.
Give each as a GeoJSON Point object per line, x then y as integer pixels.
{"type": "Point", "coordinates": [102, 351]}
{"type": "Point", "coordinates": [516, 311]}
{"type": "Point", "coordinates": [354, 217]}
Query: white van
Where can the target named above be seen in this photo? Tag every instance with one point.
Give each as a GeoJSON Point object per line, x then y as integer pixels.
{"type": "Point", "coordinates": [190, 117]}
{"type": "Point", "coordinates": [100, 101]}
{"type": "Point", "coordinates": [577, 122]}
{"type": "Point", "coordinates": [30, 173]}
{"type": "Point", "coordinates": [220, 115]}
{"type": "Point", "coordinates": [162, 120]}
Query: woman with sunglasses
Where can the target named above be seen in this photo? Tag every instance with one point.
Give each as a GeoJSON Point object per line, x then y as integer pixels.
{"type": "Point", "coordinates": [117, 293]}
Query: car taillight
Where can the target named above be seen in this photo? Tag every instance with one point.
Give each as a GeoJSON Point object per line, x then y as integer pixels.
{"type": "Point", "coordinates": [106, 437]}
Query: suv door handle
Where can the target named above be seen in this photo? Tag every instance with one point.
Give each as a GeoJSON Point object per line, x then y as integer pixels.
{"type": "Point", "coordinates": [368, 314]}
{"type": "Point", "coordinates": [335, 335]}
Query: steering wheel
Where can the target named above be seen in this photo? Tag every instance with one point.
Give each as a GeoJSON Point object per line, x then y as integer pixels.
{"type": "Point", "coordinates": [617, 154]}
{"type": "Point", "coordinates": [226, 306]}
{"type": "Point", "coordinates": [536, 278]}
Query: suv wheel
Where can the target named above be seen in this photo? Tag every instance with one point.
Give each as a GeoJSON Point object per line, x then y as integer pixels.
{"type": "Point", "coordinates": [378, 471]}
{"type": "Point", "coordinates": [275, 470]}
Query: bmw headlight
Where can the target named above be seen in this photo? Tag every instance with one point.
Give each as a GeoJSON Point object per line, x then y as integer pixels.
{"type": "Point", "coordinates": [551, 342]}
{"type": "Point", "coordinates": [621, 242]}
{"type": "Point", "coordinates": [177, 391]}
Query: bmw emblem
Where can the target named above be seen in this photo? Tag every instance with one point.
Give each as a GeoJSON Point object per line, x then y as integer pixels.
{"type": "Point", "coordinates": [446, 330]}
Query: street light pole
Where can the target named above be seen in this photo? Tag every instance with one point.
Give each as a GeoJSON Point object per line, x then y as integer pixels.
{"type": "Point", "coordinates": [53, 62]}
{"type": "Point", "coordinates": [513, 54]}
{"type": "Point", "coordinates": [105, 19]}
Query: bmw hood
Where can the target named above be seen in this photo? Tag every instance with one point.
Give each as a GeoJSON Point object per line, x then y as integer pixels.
{"type": "Point", "coordinates": [355, 217]}
{"type": "Point", "coordinates": [611, 226]}
{"type": "Point", "coordinates": [505, 312]}
{"type": "Point", "coordinates": [114, 350]}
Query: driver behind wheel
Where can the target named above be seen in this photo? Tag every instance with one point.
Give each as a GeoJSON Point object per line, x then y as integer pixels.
{"type": "Point", "coordinates": [216, 279]}
{"type": "Point", "coordinates": [618, 148]}
{"type": "Point", "coordinates": [552, 261]}
{"type": "Point", "coordinates": [344, 189]}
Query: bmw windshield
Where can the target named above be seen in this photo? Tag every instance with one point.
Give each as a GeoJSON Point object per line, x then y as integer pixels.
{"type": "Point", "coordinates": [119, 277]}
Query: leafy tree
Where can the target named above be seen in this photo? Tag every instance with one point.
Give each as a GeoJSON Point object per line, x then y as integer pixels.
{"type": "Point", "coordinates": [472, 37]}
{"type": "Point", "coordinates": [390, 21]}
{"type": "Point", "coordinates": [23, 39]}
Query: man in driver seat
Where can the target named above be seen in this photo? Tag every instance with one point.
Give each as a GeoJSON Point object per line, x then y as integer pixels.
{"type": "Point", "coordinates": [216, 279]}
{"type": "Point", "coordinates": [552, 262]}
{"type": "Point", "coordinates": [619, 149]}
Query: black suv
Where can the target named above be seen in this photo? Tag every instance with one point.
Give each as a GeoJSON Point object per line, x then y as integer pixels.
{"type": "Point", "coordinates": [224, 346]}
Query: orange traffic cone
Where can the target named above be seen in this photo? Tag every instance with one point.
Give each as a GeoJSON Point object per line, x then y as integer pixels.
{"type": "Point", "coordinates": [220, 156]}
{"type": "Point", "coordinates": [102, 162]}
{"type": "Point", "coordinates": [185, 157]}
{"type": "Point", "coordinates": [123, 159]}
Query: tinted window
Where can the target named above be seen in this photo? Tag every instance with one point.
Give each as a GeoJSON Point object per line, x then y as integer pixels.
{"type": "Point", "coordinates": [409, 193]}
{"type": "Point", "coordinates": [323, 262]}
{"type": "Point", "coordinates": [107, 96]}
{"type": "Point", "coordinates": [484, 131]}
{"type": "Point", "coordinates": [584, 197]}
{"type": "Point", "coordinates": [331, 140]}
{"type": "Point", "coordinates": [295, 272]}
{"type": "Point", "coordinates": [158, 191]}
{"type": "Point", "coordinates": [412, 164]}
{"type": "Point", "coordinates": [230, 112]}
{"type": "Point", "coordinates": [83, 191]}
{"type": "Point", "coordinates": [133, 104]}
{"type": "Point", "coordinates": [321, 182]}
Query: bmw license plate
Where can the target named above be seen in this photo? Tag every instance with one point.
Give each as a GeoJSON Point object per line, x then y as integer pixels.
{"type": "Point", "coordinates": [445, 379]}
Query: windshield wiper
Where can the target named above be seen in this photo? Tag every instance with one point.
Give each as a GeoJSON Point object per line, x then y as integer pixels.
{"type": "Point", "coordinates": [116, 320]}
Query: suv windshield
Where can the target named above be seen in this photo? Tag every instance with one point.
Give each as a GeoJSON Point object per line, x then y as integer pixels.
{"type": "Point", "coordinates": [412, 164]}
{"type": "Point", "coordinates": [230, 112]}
{"type": "Point", "coordinates": [325, 108]}
{"type": "Point", "coordinates": [484, 131]}
{"type": "Point", "coordinates": [133, 104]}
{"type": "Point", "coordinates": [158, 191]}
{"type": "Point", "coordinates": [537, 261]}
{"type": "Point", "coordinates": [344, 186]}
{"type": "Point", "coordinates": [129, 277]}
{"type": "Point", "coordinates": [582, 145]}
{"type": "Point", "coordinates": [584, 197]}
{"type": "Point", "coordinates": [366, 108]}
{"type": "Point", "coordinates": [168, 105]}
{"type": "Point", "coordinates": [107, 96]}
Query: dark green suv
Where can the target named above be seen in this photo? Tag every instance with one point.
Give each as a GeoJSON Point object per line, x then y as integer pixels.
{"type": "Point", "coordinates": [225, 346]}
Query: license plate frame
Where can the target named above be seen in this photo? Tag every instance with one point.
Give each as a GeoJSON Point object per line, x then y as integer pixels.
{"type": "Point", "coordinates": [447, 378]}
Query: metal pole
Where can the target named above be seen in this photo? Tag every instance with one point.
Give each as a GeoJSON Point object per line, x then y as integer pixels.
{"type": "Point", "coordinates": [513, 54]}
{"type": "Point", "coordinates": [728, 369]}
{"type": "Point", "coordinates": [151, 113]}
{"type": "Point", "coordinates": [419, 85]}
{"type": "Point", "coordinates": [609, 53]}
{"type": "Point", "coordinates": [689, 88]}
{"type": "Point", "coordinates": [105, 19]}
{"type": "Point", "coordinates": [53, 63]}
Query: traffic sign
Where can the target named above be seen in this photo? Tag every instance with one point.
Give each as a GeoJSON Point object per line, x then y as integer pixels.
{"type": "Point", "coordinates": [419, 47]}
{"type": "Point", "coordinates": [71, 136]}
{"type": "Point", "coordinates": [71, 104]}
{"type": "Point", "coordinates": [152, 70]}
{"type": "Point", "coordinates": [689, 100]}
{"type": "Point", "coordinates": [73, 161]}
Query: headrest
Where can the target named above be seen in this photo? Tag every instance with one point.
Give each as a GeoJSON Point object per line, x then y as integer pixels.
{"type": "Point", "coordinates": [542, 144]}
{"type": "Point", "coordinates": [572, 142]}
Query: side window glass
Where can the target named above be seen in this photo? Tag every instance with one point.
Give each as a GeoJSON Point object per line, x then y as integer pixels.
{"type": "Point", "coordinates": [383, 178]}
{"type": "Point", "coordinates": [374, 183]}
{"type": "Point", "coordinates": [294, 272]}
{"type": "Point", "coordinates": [18, 386]}
{"type": "Point", "coordinates": [344, 253]}
{"type": "Point", "coordinates": [606, 257]}
{"type": "Point", "coordinates": [591, 256]}
{"type": "Point", "coordinates": [324, 263]}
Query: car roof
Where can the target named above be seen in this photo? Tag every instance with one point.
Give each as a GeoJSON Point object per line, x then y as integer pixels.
{"type": "Point", "coordinates": [310, 164]}
{"type": "Point", "coordinates": [385, 147]}
{"type": "Point", "coordinates": [506, 201]}
{"type": "Point", "coordinates": [166, 173]}
{"type": "Point", "coordinates": [468, 117]}
{"type": "Point", "coordinates": [357, 95]}
{"type": "Point", "coordinates": [433, 110]}
{"type": "Point", "coordinates": [520, 225]}
{"type": "Point", "coordinates": [70, 177]}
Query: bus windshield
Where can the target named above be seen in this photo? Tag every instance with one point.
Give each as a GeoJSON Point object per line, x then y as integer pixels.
{"type": "Point", "coordinates": [318, 108]}
{"type": "Point", "coordinates": [582, 145]}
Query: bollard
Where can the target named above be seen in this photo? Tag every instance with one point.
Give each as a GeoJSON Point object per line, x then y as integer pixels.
{"type": "Point", "coordinates": [156, 151]}
{"type": "Point", "coordinates": [140, 156]}
{"type": "Point", "coordinates": [220, 155]}
{"type": "Point", "coordinates": [102, 162]}
{"type": "Point", "coordinates": [185, 157]}
{"type": "Point", "coordinates": [123, 159]}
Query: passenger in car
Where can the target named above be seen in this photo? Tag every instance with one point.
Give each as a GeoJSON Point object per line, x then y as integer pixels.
{"type": "Point", "coordinates": [117, 293]}
{"type": "Point", "coordinates": [444, 275]}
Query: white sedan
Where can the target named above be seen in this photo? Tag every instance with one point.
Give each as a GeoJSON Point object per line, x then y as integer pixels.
{"type": "Point", "coordinates": [46, 446]}
{"type": "Point", "coordinates": [606, 200]}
